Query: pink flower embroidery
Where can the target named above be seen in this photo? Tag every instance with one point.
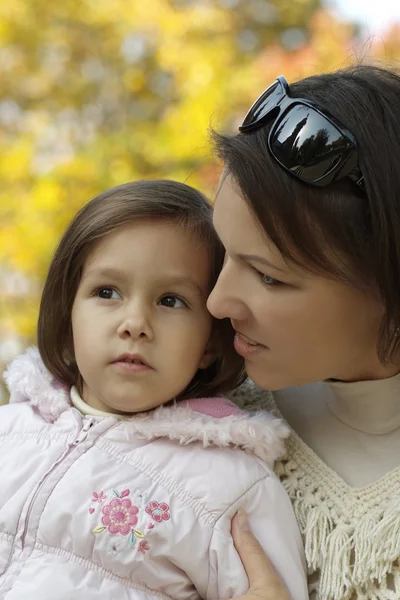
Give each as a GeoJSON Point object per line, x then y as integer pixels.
{"type": "Point", "coordinates": [120, 516]}
{"type": "Point", "coordinates": [158, 511]}
{"type": "Point", "coordinates": [143, 547]}
{"type": "Point", "coordinates": [98, 497]}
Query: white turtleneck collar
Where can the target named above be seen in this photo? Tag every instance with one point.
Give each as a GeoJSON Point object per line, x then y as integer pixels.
{"type": "Point", "coordinates": [368, 406]}
{"type": "Point", "coordinates": [85, 409]}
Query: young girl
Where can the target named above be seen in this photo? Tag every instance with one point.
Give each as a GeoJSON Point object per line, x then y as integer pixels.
{"type": "Point", "coordinates": [121, 464]}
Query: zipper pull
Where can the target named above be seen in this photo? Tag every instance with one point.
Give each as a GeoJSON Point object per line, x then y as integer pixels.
{"type": "Point", "coordinates": [83, 432]}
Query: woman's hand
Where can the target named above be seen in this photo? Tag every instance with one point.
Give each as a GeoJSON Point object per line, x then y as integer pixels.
{"type": "Point", "coordinates": [265, 583]}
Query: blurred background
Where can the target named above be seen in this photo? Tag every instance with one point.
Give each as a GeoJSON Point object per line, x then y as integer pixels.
{"type": "Point", "coordinates": [94, 93]}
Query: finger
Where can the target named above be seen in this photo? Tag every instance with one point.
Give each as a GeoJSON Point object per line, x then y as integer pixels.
{"type": "Point", "coordinates": [259, 570]}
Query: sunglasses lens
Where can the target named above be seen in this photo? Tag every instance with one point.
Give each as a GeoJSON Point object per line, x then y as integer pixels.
{"type": "Point", "coordinates": [307, 144]}
{"type": "Point", "coordinates": [263, 105]}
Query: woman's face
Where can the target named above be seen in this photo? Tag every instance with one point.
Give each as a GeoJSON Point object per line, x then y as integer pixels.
{"type": "Point", "coordinates": [293, 327]}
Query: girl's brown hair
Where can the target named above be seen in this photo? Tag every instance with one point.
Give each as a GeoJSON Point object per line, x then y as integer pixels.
{"type": "Point", "coordinates": [155, 199]}
{"type": "Point", "coordinates": [336, 230]}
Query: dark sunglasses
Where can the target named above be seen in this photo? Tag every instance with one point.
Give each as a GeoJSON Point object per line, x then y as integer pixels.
{"type": "Point", "coordinates": [306, 142]}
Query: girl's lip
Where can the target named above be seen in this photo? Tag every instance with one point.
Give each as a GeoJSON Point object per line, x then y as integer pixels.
{"type": "Point", "coordinates": [132, 367]}
{"type": "Point", "coordinates": [244, 348]}
{"type": "Point", "coordinates": [132, 358]}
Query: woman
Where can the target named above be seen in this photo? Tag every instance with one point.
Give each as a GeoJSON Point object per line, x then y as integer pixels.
{"type": "Point", "coordinates": [311, 284]}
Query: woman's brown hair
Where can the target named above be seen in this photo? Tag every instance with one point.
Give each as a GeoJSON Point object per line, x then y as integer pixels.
{"type": "Point", "coordinates": [151, 199]}
{"type": "Point", "coordinates": [336, 231]}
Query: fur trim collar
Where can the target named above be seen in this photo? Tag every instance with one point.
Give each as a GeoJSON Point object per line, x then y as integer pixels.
{"type": "Point", "coordinates": [28, 380]}
{"type": "Point", "coordinates": [212, 421]}
{"type": "Point", "coordinates": [260, 434]}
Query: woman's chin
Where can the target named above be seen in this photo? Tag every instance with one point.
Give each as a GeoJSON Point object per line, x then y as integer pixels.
{"type": "Point", "coordinates": [266, 380]}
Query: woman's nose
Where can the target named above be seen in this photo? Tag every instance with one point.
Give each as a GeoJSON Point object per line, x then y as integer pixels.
{"type": "Point", "coordinates": [224, 300]}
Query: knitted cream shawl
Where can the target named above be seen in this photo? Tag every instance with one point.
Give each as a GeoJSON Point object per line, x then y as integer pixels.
{"type": "Point", "coordinates": [351, 535]}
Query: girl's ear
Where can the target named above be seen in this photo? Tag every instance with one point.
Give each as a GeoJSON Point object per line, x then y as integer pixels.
{"type": "Point", "coordinates": [210, 355]}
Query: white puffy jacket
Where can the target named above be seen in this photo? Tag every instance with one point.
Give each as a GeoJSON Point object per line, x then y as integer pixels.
{"type": "Point", "coordinates": [92, 507]}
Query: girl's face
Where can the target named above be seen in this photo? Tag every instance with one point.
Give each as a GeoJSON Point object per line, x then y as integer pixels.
{"type": "Point", "coordinates": [139, 320]}
{"type": "Point", "coordinates": [292, 327]}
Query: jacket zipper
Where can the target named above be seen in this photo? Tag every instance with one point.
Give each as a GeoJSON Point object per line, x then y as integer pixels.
{"type": "Point", "coordinates": [78, 440]}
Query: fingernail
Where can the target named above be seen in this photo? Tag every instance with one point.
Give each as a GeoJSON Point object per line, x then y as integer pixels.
{"type": "Point", "coordinates": [243, 520]}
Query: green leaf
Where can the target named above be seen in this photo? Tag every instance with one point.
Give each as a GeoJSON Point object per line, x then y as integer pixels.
{"type": "Point", "coordinates": [99, 529]}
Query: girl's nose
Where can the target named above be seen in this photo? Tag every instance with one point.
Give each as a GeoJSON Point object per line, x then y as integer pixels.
{"type": "Point", "coordinates": [136, 325]}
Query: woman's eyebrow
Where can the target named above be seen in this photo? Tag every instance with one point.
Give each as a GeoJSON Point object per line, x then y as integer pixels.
{"type": "Point", "coordinates": [261, 260]}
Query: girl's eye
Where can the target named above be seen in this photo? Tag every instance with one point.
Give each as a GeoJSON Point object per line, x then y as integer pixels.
{"type": "Point", "coordinates": [107, 293]}
{"type": "Point", "coordinates": [173, 302]}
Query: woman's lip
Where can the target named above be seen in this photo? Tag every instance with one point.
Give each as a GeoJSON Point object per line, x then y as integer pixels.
{"type": "Point", "coordinates": [244, 348]}
{"type": "Point", "coordinates": [247, 339]}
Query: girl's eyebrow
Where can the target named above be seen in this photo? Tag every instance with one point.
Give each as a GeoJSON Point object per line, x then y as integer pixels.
{"type": "Point", "coordinates": [172, 280]}
{"type": "Point", "coordinates": [113, 272]}
{"type": "Point", "coordinates": [261, 260]}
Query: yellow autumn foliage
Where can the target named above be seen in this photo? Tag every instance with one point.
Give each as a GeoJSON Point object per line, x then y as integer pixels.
{"type": "Point", "coordinates": [95, 93]}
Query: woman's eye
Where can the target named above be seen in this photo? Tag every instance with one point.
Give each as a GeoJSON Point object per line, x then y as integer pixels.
{"type": "Point", "coordinates": [173, 302]}
{"type": "Point", "coordinates": [269, 281]}
{"type": "Point", "coordinates": [107, 293]}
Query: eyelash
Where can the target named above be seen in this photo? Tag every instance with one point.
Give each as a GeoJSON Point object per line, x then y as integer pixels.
{"type": "Point", "coordinates": [175, 297]}
{"type": "Point", "coordinates": [273, 282]}
{"type": "Point", "coordinates": [97, 291]}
